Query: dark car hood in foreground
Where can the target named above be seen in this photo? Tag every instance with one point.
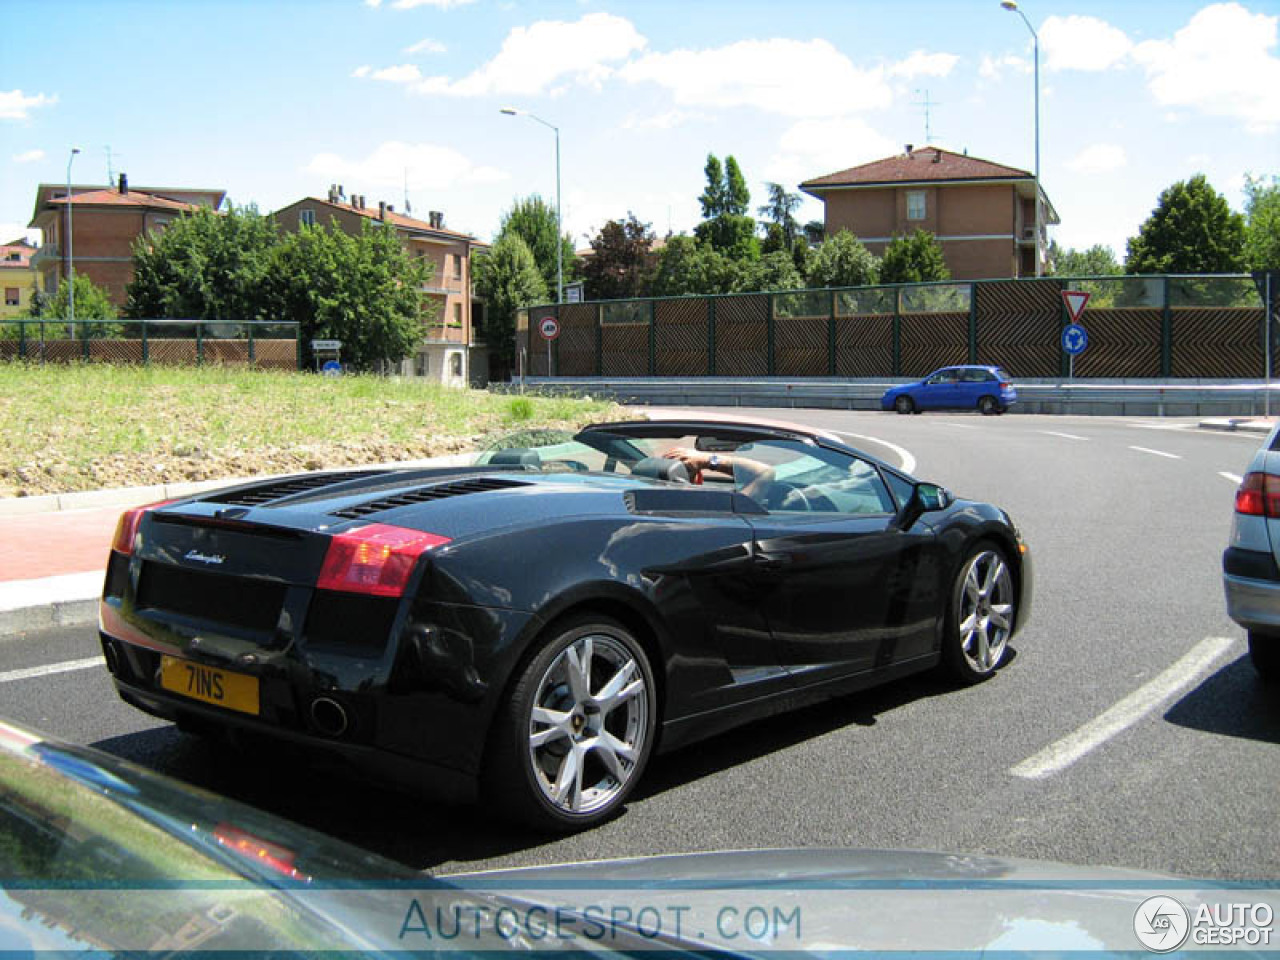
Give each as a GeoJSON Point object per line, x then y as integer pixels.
{"type": "Point", "coordinates": [99, 853]}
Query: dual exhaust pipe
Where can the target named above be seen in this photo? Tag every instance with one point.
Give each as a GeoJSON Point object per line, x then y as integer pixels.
{"type": "Point", "coordinates": [330, 717]}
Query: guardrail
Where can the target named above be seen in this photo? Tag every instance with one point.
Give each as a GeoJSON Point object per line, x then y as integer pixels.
{"type": "Point", "coordinates": [1116, 398]}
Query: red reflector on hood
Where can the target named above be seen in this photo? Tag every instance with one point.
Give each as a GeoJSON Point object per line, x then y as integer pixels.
{"type": "Point", "coordinates": [127, 528]}
{"type": "Point", "coordinates": [376, 559]}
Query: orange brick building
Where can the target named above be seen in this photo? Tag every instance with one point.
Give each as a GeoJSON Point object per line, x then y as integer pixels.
{"type": "Point", "coordinates": [982, 213]}
{"type": "Point", "coordinates": [105, 222]}
{"type": "Point", "coordinates": [452, 350]}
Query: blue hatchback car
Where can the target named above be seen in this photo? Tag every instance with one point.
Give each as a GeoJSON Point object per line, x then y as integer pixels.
{"type": "Point", "coordinates": [985, 389]}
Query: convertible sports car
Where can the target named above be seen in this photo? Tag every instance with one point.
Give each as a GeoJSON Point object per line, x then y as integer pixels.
{"type": "Point", "coordinates": [532, 627]}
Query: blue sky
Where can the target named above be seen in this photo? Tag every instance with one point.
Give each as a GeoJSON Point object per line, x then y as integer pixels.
{"type": "Point", "coordinates": [273, 101]}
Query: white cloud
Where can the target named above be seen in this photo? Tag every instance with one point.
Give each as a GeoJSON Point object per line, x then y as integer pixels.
{"type": "Point", "coordinates": [661, 121]}
{"type": "Point", "coordinates": [430, 167]}
{"type": "Point", "coordinates": [991, 68]}
{"type": "Point", "coordinates": [16, 231]}
{"type": "Point", "coordinates": [405, 73]}
{"type": "Point", "coordinates": [31, 156]}
{"type": "Point", "coordinates": [1221, 64]}
{"type": "Point", "coordinates": [814, 148]}
{"type": "Point", "coordinates": [788, 77]}
{"type": "Point", "coordinates": [1082, 43]}
{"type": "Point", "coordinates": [362, 71]}
{"type": "Point", "coordinates": [426, 45]}
{"type": "Point", "coordinates": [921, 64]}
{"type": "Point", "coordinates": [534, 58]}
{"type": "Point", "coordinates": [438, 4]}
{"type": "Point", "coordinates": [14, 104]}
{"type": "Point", "coordinates": [1098, 158]}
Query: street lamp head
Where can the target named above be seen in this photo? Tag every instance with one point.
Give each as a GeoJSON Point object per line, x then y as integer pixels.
{"type": "Point", "coordinates": [510, 111]}
{"type": "Point", "coordinates": [1009, 5]}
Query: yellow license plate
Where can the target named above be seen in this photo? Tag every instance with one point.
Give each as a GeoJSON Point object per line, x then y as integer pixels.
{"type": "Point", "coordinates": [222, 688]}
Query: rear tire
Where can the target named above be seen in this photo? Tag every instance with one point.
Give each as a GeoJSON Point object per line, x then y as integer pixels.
{"type": "Point", "coordinates": [576, 731]}
{"type": "Point", "coordinates": [904, 404]}
{"type": "Point", "coordinates": [1264, 651]}
{"type": "Point", "coordinates": [980, 616]}
{"type": "Point", "coordinates": [988, 406]}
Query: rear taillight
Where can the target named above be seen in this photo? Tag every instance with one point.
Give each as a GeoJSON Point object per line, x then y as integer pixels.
{"type": "Point", "coordinates": [1259, 495]}
{"type": "Point", "coordinates": [376, 560]}
{"type": "Point", "coordinates": [127, 528]}
{"type": "Point", "coordinates": [1005, 385]}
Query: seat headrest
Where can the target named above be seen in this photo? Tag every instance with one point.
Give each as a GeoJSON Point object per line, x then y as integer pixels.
{"type": "Point", "coordinates": [517, 455]}
{"type": "Point", "coordinates": [661, 468]}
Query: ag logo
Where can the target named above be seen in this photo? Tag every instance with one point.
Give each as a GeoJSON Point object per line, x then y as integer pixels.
{"type": "Point", "coordinates": [1161, 924]}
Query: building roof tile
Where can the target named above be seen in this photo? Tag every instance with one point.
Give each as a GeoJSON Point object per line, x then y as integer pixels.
{"type": "Point", "coordinates": [924, 165]}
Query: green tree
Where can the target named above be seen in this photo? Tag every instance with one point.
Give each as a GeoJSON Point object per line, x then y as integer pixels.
{"type": "Point", "coordinates": [508, 280]}
{"type": "Point", "coordinates": [1262, 224]}
{"type": "Point", "coordinates": [780, 212]}
{"type": "Point", "coordinates": [1191, 230]}
{"type": "Point", "coordinates": [737, 196]}
{"type": "Point", "coordinates": [915, 258]}
{"type": "Point", "coordinates": [842, 261]}
{"type": "Point", "coordinates": [814, 231]}
{"type": "Point", "coordinates": [686, 266]}
{"type": "Point", "coordinates": [364, 290]}
{"type": "Point", "coordinates": [725, 200]}
{"type": "Point", "coordinates": [92, 302]}
{"type": "Point", "coordinates": [773, 271]}
{"type": "Point", "coordinates": [1097, 261]}
{"type": "Point", "coordinates": [534, 221]}
{"type": "Point", "coordinates": [204, 266]}
{"type": "Point", "coordinates": [621, 260]}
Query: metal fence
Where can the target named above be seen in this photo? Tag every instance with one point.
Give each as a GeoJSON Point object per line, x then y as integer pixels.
{"type": "Point", "coordinates": [1148, 326]}
{"type": "Point", "coordinates": [166, 342]}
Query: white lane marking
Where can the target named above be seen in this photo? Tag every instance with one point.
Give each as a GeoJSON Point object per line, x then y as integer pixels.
{"type": "Point", "coordinates": [1158, 453]}
{"type": "Point", "coordinates": [1162, 426]}
{"type": "Point", "coordinates": [958, 426]}
{"type": "Point", "coordinates": [51, 668]}
{"type": "Point", "coordinates": [1069, 436]}
{"type": "Point", "coordinates": [1234, 478]}
{"type": "Point", "coordinates": [1124, 714]}
{"type": "Point", "coordinates": [908, 464]}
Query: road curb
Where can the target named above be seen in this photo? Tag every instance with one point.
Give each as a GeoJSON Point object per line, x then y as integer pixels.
{"type": "Point", "coordinates": [60, 613]}
{"type": "Point", "coordinates": [1238, 425]}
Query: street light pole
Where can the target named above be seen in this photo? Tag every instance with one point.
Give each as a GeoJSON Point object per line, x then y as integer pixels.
{"type": "Point", "coordinates": [71, 267]}
{"type": "Point", "coordinates": [1035, 43]}
{"type": "Point", "coordinates": [513, 112]}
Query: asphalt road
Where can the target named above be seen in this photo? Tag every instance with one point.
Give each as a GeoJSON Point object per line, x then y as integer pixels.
{"type": "Point", "coordinates": [1120, 733]}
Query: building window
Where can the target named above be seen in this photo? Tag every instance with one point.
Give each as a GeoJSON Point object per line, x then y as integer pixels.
{"type": "Point", "coordinates": [455, 364]}
{"type": "Point", "coordinates": [457, 267]}
{"type": "Point", "coordinates": [12, 297]}
{"type": "Point", "coordinates": [457, 315]}
{"type": "Point", "coordinates": [915, 204]}
{"type": "Point", "coordinates": [307, 217]}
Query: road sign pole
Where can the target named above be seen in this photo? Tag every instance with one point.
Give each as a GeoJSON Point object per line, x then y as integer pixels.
{"type": "Point", "coordinates": [1266, 326]}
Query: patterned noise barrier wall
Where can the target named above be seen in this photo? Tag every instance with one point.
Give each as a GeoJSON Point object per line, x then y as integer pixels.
{"type": "Point", "coordinates": [1138, 327]}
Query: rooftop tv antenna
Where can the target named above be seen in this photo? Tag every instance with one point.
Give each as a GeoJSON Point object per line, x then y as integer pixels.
{"type": "Point", "coordinates": [408, 210]}
{"type": "Point", "coordinates": [928, 105]}
{"type": "Point", "coordinates": [111, 173]}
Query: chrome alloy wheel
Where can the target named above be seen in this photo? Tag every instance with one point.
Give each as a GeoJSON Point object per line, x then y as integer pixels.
{"type": "Point", "coordinates": [985, 611]}
{"type": "Point", "coordinates": [589, 724]}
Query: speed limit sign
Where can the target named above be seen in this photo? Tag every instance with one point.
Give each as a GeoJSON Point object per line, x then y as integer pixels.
{"type": "Point", "coordinates": [549, 327]}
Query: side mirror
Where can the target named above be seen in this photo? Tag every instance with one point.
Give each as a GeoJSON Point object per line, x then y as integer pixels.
{"type": "Point", "coordinates": [932, 497]}
{"type": "Point", "coordinates": [925, 498]}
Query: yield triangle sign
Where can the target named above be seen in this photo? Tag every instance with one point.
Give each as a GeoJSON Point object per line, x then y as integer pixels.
{"type": "Point", "coordinates": [1075, 301]}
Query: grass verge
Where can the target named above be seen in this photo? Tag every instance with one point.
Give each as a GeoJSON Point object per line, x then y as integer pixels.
{"type": "Point", "coordinates": [86, 427]}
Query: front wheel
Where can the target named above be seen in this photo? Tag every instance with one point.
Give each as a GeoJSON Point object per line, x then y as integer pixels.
{"type": "Point", "coordinates": [987, 406]}
{"type": "Point", "coordinates": [904, 404]}
{"type": "Point", "coordinates": [573, 738]}
{"type": "Point", "coordinates": [1264, 651]}
{"type": "Point", "coordinates": [980, 616]}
